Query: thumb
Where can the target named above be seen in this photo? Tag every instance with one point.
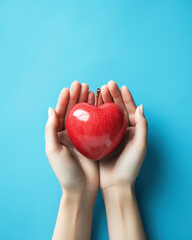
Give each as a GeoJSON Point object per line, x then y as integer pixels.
{"type": "Point", "coordinates": [141, 127]}
{"type": "Point", "coordinates": [51, 137]}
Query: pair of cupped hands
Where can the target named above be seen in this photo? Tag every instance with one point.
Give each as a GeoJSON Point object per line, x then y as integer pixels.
{"type": "Point", "coordinates": [75, 172]}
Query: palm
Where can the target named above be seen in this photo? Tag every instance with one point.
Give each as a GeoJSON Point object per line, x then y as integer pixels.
{"type": "Point", "coordinates": [82, 172]}
{"type": "Point", "coordinates": [116, 165]}
{"type": "Point", "coordinates": [74, 170]}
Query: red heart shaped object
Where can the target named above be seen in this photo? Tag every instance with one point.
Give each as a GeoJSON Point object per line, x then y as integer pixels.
{"type": "Point", "coordinates": [96, 131]}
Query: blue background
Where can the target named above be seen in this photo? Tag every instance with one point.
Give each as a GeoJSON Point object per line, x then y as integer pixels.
{"type": "Point", "coordinates": [44, 46]}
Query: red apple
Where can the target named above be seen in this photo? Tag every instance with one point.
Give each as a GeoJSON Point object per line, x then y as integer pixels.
{"type": "Point", "coordinates": [96, 131]}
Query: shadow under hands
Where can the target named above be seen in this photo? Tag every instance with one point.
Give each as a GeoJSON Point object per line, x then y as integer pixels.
{"type": "Point", "coordinates": [99, 225]}
{"type": "Point", "coordinates": [149, 182]}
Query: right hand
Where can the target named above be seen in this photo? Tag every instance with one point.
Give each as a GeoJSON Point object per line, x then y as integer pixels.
{"type": "Point", "coordinates": [75, 172]}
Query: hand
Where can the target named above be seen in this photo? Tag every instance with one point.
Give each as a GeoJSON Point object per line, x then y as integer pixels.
{"type": "Point", "coordinates": [75, 172]}
{"type": "Point", "coordinates": [119, 170]}
{"type": "Point", "coordinates": [122, 167]}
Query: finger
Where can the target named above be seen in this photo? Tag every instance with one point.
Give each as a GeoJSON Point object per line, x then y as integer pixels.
{"type": "Point", "coordinates": [106, 96]}
{"type": "Point", "coordinates": [52, 144]}
{"type": "Point", "coordinates": [100, 100]}
{"type": "Point", "coordinates": [116, 95]}
{"type": "Point", "coordinates": [83, 93]}
{"type": "Point", "coordinates": [91, 98]}
{"type": "Point", "coordinates": [129, 104]}
{"type": "Point", "coordinates": [74, 95]}
{"type": "Point", "coordinates": [61, 107]}
{"type": "Point", "coordinates": [141, 128]}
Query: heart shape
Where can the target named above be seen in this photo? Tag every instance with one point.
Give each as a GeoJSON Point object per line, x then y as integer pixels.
{"type": "Point", "coordinates": [96, 131]}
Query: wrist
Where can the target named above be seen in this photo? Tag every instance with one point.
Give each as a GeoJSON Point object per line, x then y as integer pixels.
{"type": "Point", "coordinates": [122, 211]}
{"type": "Point", "coordinates": [119, 193]}
{"type": "Point", "coordinates": [75, 212]}
{"type": "Point", "coordinates": [83, 198]}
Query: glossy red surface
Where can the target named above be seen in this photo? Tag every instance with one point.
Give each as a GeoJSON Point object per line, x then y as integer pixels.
{"type": "Point", "coordinates": [96, 131]}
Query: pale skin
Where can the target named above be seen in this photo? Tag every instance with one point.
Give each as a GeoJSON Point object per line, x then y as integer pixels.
{"type": "Point", "coordinates": [80, 177]}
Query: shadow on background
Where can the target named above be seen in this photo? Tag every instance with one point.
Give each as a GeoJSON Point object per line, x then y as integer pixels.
{"type": "Point", "coordinates": [149, 182]}
{"type": "Point", "coordinates": [149, 185]}
{"type": "Point", "coordinates": [99, 225]}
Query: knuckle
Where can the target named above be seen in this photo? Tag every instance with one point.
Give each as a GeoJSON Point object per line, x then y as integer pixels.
{"type": "Point", "coordinates": [144, 121]}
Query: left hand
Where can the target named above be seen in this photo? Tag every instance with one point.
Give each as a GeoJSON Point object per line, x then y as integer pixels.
{"type": "Point", "coordinates": [122, 167]}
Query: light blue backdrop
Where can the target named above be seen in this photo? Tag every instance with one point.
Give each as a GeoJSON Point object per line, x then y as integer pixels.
{"type": "Point", "coordinates": [44, 46]}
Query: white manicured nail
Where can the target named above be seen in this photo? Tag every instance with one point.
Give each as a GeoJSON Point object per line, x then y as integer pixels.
{"type": "Point", "coordinates": [141, 108]}
{"type": "Point", "coordinates": [50, 112]}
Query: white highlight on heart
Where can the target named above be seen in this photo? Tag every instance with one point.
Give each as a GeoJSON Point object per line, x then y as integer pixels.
{"type": "Point", "coordinates": [81, 115]}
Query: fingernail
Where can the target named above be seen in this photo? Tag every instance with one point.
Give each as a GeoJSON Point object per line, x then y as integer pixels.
{"type": "Point", "coordinates": [102, 86]}
{"type": "Point", "coordinates": [141, 108]}
{"type": "Point", "coordinates": [50, 112]}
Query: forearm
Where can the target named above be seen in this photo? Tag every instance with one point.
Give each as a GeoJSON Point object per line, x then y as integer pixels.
{"type": "Point", "coordinates": [123, 217]}
{"type": "Point", "coordinates": [74, 218]}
